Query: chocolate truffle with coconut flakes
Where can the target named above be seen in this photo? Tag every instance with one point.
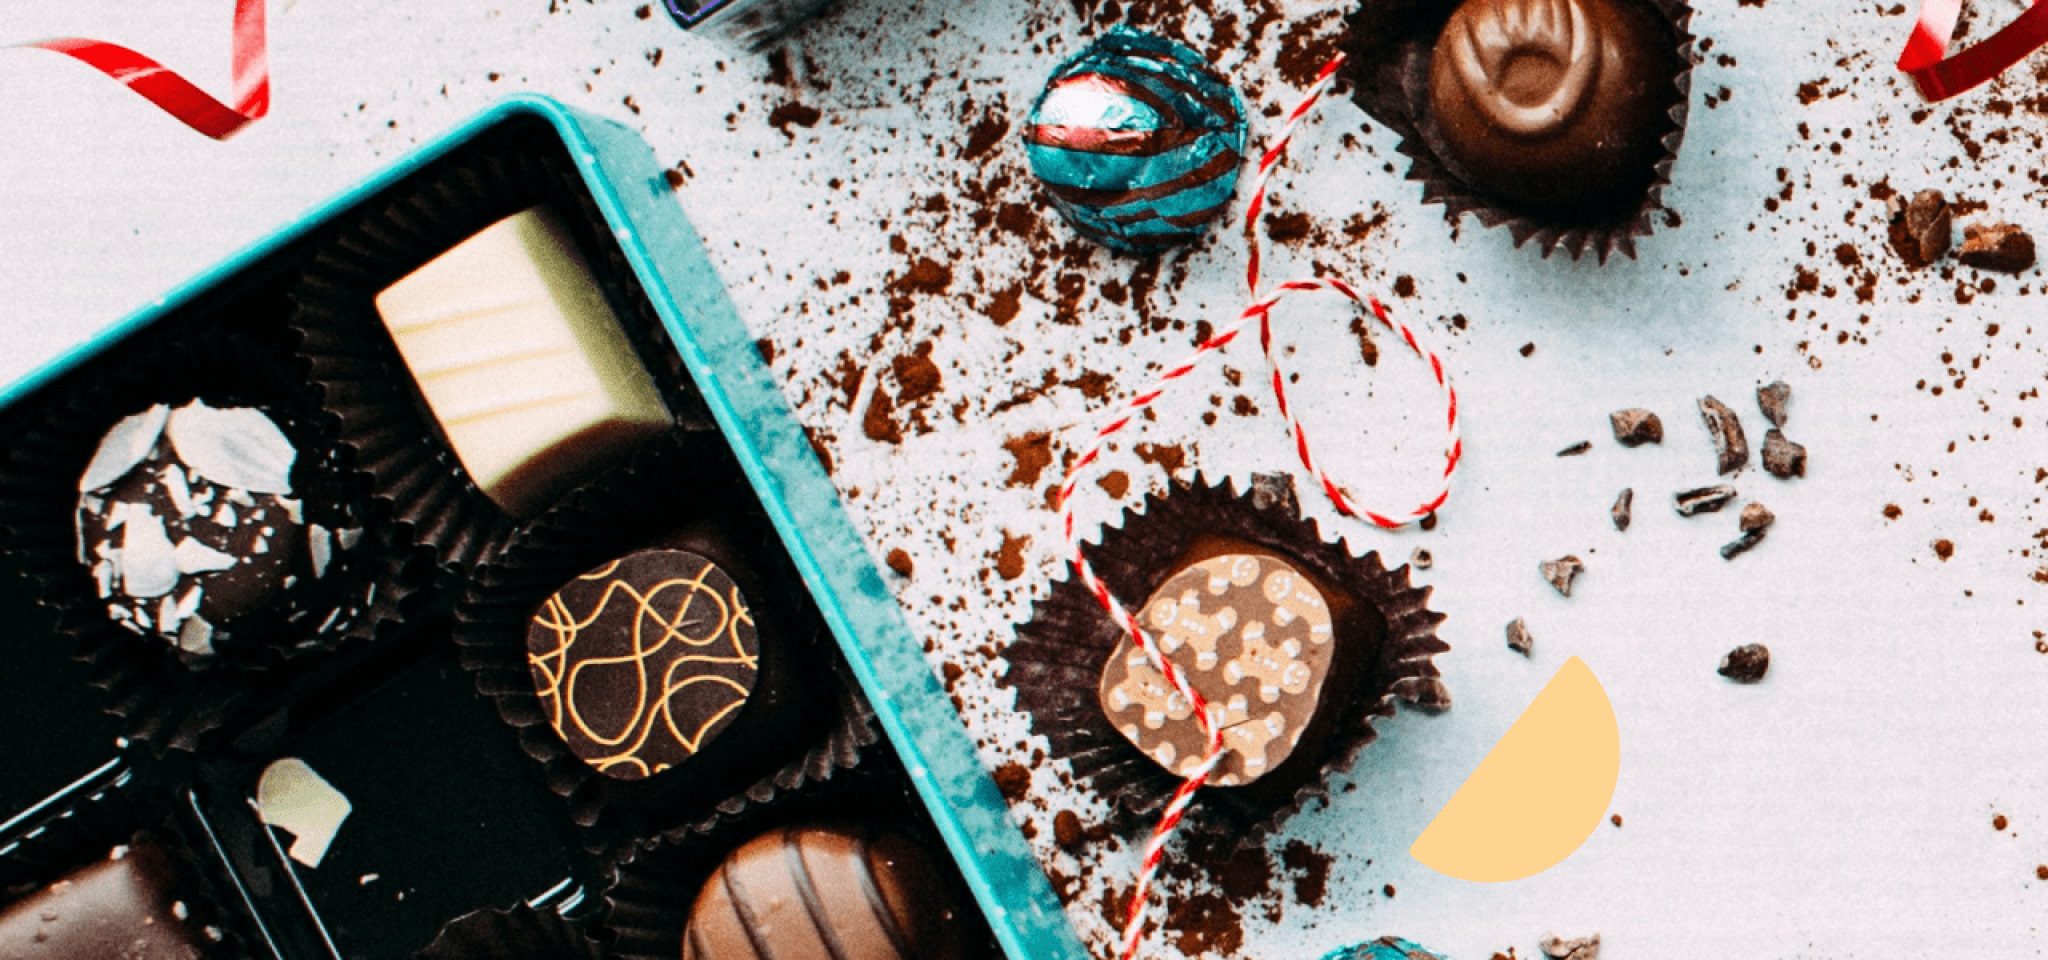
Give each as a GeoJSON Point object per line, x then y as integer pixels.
{"type": "Point", "coordinates": [188, 524]}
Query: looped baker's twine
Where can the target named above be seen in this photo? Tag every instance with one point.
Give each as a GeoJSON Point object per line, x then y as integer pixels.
{"type": "Point", "coordinates": [1261, 310]}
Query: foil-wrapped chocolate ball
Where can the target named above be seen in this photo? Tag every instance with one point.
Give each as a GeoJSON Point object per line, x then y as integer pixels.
{"type": "Point", "coordinates": [1553, 104]}
{"type": "Point", "coordinates": [1385, 948]}
{"type": "Point", "coordinates": [1137, 141]}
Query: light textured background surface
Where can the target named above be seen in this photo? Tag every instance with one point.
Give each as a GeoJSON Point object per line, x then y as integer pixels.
{"type": "Point", "coordinates": [1841, 808]}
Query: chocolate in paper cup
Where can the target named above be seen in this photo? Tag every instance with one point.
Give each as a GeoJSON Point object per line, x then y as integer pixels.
{"type": "Point", "coordinates": [117, 820]}
{"type": "Point", "coordinates": [653, 885]}
{"type": "Point", "coordinates": [803, 720]}
{"type": "Point", "coordinates": [171, 698]}
{"type": "Point", "coordinates": [1385, 643]}
{"type": "Point", "coordinates": [380, 417]}
{"type": "Point", "coordinates": [520, 932]}
{"type": "Point", "coordinates": [1392, 44]}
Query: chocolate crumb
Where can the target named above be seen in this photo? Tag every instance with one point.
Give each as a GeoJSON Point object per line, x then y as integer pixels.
{"type": "Point", "coordinates": [1616, 820]}
{"type": "Point", "coordinates": [1999, 246]}
{"type": "Point", "coordinates": [1010, 559]}
{"type": "Point", "coordinates": [1783, 458]}
{"type": "Point", "coordinates": [1275, 491]}
{"type": "Point", "coordinates": [1561, 572]}
{"type": "Point", "coordinates": [1923, 229]}
{"type": "Point", "coordinates": [1741, 545]}
{"type": "Point", "coordinates": [1116, 483]}
{"type": "Point", "coordinates": [1066, 830]}
{"type": "Point", "coordinates": [1731, 448]}
{"type": "Point", "coordinates": [1519, 639]}
{"type": "Point", "coordinates": [899, 561]}
{"type": "Point", "coordinates": [1624, 508]}
{"type": "Point", "coordinates": [1421, 559]}
{"type": "Point", "coordinates": [1772, 398]}
{"type": "Point", "coordinates": [1014, 780]}
{"type": "Point", "coordinates": [1387, 890]}
{"type": "Point", "coordinates": [1944, 549]}
{"type": "Point", "coordinates": [794, 114]}
{"type": "Point", "coordinates": [1581, 948]}
{"type": "Point", "coordinates": [1756, 518]}
{"type": "Point", "coordinates": [1692, 503]}
{"type": "Point", "coordinates": [1032, 453]}
{"type": "Point", "coordinates": [1746, 663]}
{"type": "Point", "coordinates": [1892, 511]}
{"type": "Point", "coordinates": [1998, 821]}
{"type": "Point", "coordinates": [1635, 426]}
{"type": "Point", "coordinates": [1576, 449]}
{"type": "Point", "coordinates": [1528, 348]}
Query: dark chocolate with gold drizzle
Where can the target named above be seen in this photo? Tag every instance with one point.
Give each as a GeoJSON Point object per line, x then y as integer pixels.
{"type": "Point", "coordinates": [643, 661]}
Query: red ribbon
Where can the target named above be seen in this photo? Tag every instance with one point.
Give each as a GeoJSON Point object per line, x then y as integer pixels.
{"type": "Point", "coordinates": [176, 95]}
{"type": "Point", "coordinates": [1941, 76]}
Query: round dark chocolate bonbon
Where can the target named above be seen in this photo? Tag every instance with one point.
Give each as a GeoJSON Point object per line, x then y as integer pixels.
{"type": "Point", "coordinates": [642, 661]}
{"type": "Point", "coordinates": [1137, 141]}
{"type": "Point", "coordinates": [821, 893]}
{"type": "Point", "coordinates": [1553, 104]}
{"type": "Point", "coordinates": [187, 522]}
{"type": "Point", "coordinates": [1253, 635]}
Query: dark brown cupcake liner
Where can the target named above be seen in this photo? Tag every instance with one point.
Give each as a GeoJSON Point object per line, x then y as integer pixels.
{"type": "Point", "coordinates": [678, 486]}
{"type": "Point", "coordinates": [523, 932]}
{"type": "Point", "coordinates": [361, 381]}
{"type": "Point", "coordinates": [1055, 663]}
{"type": "Point", "coordinates": [172, 700]}
{"type": "Point", "coordinates": [652, 885]}
{"type": "Point", "coordinates": [89, 828]}
{"type": "Point", "coordinates": [1392, 43]}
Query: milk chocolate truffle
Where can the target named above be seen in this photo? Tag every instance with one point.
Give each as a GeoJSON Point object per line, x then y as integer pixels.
{"type": "Point", "coordinates": [820, 893]}
{"type": "Point", "coordinates": [643, 661]}
{"type": "Point", "coordinates": [522, 361]}
{"type": "Point", "coordinates": [1254, 636]}
{"type": "Point", "coordinates": [1553, 104]}
{"type": "Point", "coordinates": [187, 521]}
{"type": "Point", "coordinates": [121, 907]}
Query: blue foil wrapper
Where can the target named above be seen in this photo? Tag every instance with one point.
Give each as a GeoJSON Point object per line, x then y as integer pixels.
{"type": "Point", "coordinates": [1385, 948]}
{"type": "Point", "coordinates": [1137, 141]}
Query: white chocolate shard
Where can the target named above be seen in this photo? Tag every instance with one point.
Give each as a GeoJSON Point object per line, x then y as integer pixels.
{"type": "Point", "coordinates": [293, 797]}
{"type": "Point", "coordinates": [123, 447]}
{"type": "Point", "coordinates": [233, 447]}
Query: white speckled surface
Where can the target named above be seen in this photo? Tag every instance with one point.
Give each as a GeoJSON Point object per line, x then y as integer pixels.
{"type": "Point", "coordinates": [1839, 809]}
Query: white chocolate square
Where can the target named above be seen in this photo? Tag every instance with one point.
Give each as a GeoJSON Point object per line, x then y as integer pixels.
{"type": "Point", "coordinates": [522, 361]}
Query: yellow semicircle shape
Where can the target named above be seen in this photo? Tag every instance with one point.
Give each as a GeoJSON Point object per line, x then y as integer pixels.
{"type": "Point", "coordinates": [1540, 792]}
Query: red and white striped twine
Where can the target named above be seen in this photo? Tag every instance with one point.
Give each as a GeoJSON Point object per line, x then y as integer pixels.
{"type": "Point", "coordinates": [1260, 309]}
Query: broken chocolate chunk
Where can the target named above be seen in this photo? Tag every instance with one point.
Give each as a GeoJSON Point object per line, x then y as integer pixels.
{"type": "Point", "coordinates": [1624, 508]}
{"type": "Point", "coordinates": [1740, 545]}
{"type": "Point", "coordinates": [1421, 559]}
{"type": "Point", "coordinates": [1746, 663]}
{"type": "Point", "coordinates": [1561, 571]}
{"type": "Point", "coordinates": [1772, 398]}
{"type": "Point", "coordinates": [1756, 518]}
{"type": "Point", "coordinates": [1275, 491]}
{"type": "Point", "coordinates": [1782, 457]}
{"type": "Point", "coordinates": [1579, 948]}
{"type": "Point", "coordinates": [1576, 449]}
{"type": "Point", "coordinates": [1998, 246]}
{"type": "Point", "coordinates": [1635, 426]}
{"type": "Point", "coordinates": [1922, 229]}
{"type": "Point", "coordinates": [1691, 503]}
{"type": "Point", "coordinates": [1519, 639]}
{"type": "Point", "coordinates": [1731, 448]}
